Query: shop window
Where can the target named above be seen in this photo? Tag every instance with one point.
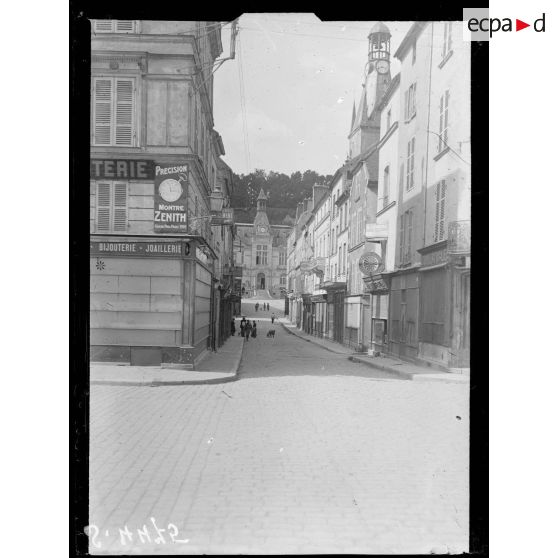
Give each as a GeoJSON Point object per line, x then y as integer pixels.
{"type": "Point", "coordinates": [114, 106]}
{"type": "Point", "coordinates": [434, 306]}
{"type": "Point", "coordinates": [112, 207]}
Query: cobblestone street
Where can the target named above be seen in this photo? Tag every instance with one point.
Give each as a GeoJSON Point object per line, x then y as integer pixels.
{"type": "Point", "coordinates": [305, 453]}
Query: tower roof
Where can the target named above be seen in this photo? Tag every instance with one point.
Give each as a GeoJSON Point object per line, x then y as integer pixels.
{"type": "Point", "coordinates": [262, 195]}
{"type": "Point", "coordinates": [380, 28]}
{"type": "Point", "coordinates": [361, 117]}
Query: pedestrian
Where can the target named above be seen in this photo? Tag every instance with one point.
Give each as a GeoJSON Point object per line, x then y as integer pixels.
{"type": "Point", "coordinates": [272, 317]}
{"type": "Point", "coordinates": [257, 306]}
{"type": "Point", "coordinates": [233, 327]}
{"type": "Point", "coordinates": [247, 330]}
{"type": "Point", "coordinates": [254, 329]}
{"type": "Point", "coordinates": [242, 325]}
{"type": "Point", "coordinates": [268, 306]}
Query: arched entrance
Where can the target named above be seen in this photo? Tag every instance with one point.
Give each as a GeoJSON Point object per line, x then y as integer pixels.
{"type": "Point", "coordinates": [260, 281]}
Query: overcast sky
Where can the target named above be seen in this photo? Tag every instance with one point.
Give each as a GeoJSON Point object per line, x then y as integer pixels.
{"type": "Point", "coordinates": [300, 76]}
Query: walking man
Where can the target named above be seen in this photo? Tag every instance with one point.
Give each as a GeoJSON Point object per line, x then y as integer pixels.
{"type": "Point", "coordinates": [247, 330]}
{"type": "Point", "coordinates": [272, 318]}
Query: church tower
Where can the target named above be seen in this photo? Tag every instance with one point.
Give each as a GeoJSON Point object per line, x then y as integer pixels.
{"type": "Point", "coordinates": [365, 123]}
{"type": "Point", "coordinates": [261, 222]}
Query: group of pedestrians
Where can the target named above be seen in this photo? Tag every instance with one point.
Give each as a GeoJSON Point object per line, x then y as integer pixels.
{"type": "Point", "coordinates": [247, 329]}
{"type": "Point", "coordinates": [265, 306]}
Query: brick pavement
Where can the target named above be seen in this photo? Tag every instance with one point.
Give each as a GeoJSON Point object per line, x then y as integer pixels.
{"type": "Point", "coordinates": [306, 453]}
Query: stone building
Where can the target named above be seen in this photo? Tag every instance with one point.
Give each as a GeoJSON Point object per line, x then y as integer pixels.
{"type": "Point", "coordinates": [262, 253]}
{"type": "Point", "coordinates": [158, 256]}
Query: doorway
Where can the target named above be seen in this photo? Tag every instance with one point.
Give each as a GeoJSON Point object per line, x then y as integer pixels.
{"type": "Point", "coordinates": [260, 281]}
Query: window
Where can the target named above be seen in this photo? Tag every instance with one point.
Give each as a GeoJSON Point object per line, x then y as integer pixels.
{"type": "Point", "coordinates": [405, 236]}
{"type": "Point", "coordinates": [439, 227]}
{"type": "Point", "coordinates": [446, 47]}
{"type": "Point", "coordinates": [113, 111]}
{"type": "Point", "coordinates": [114, 26]}
{"type": "Point", "coordinates": [112, 207]}
{"type": "Point", "coordinates": [410, 163]}
{"type": "Point", "coordinates": [414, 57]}
{"type": "Point", "coordinates": [344, 257]}
{"type": "Point", "coordinates": [444, 110]}
{"type": "Point", "coordinates": [388, 120]}
{"type": "Point", "coordinates": [386, 186]}
{"type": "Point", "coordinates": [282, 258]}
{"type": "Point", "coordinates": [339, 258]}
{"type": "Point", "coordinates": [283, 280]}
{"type": "Point", "coordinates": [410, 102]}
{"type": "Point", "coordinates": [261, 254]}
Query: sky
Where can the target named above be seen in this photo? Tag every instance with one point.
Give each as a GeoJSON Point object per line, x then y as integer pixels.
{"type": "Point", "coordinates": [299, 79]}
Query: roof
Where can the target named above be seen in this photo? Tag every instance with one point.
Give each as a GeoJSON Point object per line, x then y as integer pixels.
{"type": "Point", "coordinates": [361, 118]}
{"type": "Point", "coordinates": [262, 195]}
{"type": "Point", "coordinates": [415, 30]}
{"type": "Point", "coordinates": [380, 28]}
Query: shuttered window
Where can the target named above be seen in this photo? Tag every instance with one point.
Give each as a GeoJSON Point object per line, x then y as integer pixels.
{"type": "Point", "coordinates": [112, 207]}
{"type": "Point", "coordinates": [113, 111]}
{"type": "Point", "coordinates": [440, 222]}
{"type": "Point", "coordinates": [446, 48]}
{"type": "Point", "coordinates": [114, 26]}
{"type": "Point", "coordinates": [444, 110]}
{"type": "Point", "coordinates": [410, 163]}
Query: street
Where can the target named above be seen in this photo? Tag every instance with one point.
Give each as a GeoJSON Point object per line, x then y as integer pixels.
{"type": "Point", "coordinates": [305, 453]}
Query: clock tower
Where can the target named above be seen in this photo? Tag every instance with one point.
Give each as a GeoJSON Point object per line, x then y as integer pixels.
{"type": "Point", "coordinates": [261, 222]}
{"type": "Point", "coordinates": [365, 124]}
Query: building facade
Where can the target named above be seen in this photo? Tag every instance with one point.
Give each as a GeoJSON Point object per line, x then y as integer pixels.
{"type": "Point", "coordinates": [262, 253]}
{"type": "Point", "coordinates": [394, 276]}
{"type": "Point", "coordinates": [157, 181]}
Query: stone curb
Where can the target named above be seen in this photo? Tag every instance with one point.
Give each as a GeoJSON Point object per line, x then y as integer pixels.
{"type": "Point", "coordinates": [404, 374]}
{"type": "Point", "coordinates": [330, 349]}
{"type": "Point", "coordinates": [158, 383]}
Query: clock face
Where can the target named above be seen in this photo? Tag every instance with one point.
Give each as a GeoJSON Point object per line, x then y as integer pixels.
{"type": "Point", "coordinates": [382, 66]}
{"type": "Point", "coordinates": [262, 230]}
{"type": "Point", "coordinates": [170, 190]}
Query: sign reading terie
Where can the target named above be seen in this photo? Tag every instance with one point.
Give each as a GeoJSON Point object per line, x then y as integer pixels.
{"type": "Point", "coordinates": [171, 191]}
{"type": "Point", "coordinates": [123, 169]}
{"type": "Point", "coordinates": [157, 249]}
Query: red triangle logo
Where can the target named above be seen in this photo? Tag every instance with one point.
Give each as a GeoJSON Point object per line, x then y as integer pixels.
{"type": "Point", "coordinates": [519, 25]}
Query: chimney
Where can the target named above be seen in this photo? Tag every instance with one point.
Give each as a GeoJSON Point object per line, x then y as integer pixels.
{"type": "Point", "coordinates": [299, 210]}
{"type": "Point", "coordinates": [318, 192]}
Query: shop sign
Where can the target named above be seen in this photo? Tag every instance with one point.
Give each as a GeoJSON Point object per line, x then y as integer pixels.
{"type": "Point", "coordinates": [376, 232]}
{"type": "Point", "coordinates": [124, 169]}
{"type": "Point", "coordinates": [155, 249]}
{"type": "Point", "coordinates": [436, 257]}
{"type": "Point", "coordinates": [171, 192]}
{"type": "Point", "coordinates": [370, 263]}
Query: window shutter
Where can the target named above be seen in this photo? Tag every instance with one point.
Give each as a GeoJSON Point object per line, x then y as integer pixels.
{"type": "Point", "coordinates": [410, 235]}
{"type": "Point", "coordinates": [441, 226]}
{"type": "Point", "coordinates": [441, 125]}
{"type": "Point", "coordinates": [124, 111]}
{"type": "Point", "coordinates": [120, 220]}
{"type": "Point", "coordinates": [124, 25]}
{"type": "Point", "coordinates": [437, 218]}
{"type": "Point", "coordinates": [401, 237]}
{"type": "Point", "coordinates": [103, 25]}
{"type": "Point", "coordinates": [449, 38]}
{"type": "Point", "coordinates": [446, 113]}
{"type": "Point", "coordinates": [102, 110]}
{"type": "Point", "coordinates": [103, 206]}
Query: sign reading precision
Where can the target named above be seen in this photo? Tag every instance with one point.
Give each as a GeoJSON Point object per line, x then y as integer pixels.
{"type": "Point", "coordinates": [124, 169]}
{"type": "Point", "coordinates": [157, 249]}
{"type": "Point", "coordinates": [171, 184]}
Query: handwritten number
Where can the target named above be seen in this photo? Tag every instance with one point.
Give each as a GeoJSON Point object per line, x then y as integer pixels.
{"type": "Point", "coordinates": [93, 536]}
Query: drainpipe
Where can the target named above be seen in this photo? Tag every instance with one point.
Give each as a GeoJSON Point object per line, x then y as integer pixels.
{"type": "Point", "coordinates": [425, 185]}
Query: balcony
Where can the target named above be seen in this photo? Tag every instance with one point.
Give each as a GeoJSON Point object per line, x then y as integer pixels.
{"type": "Point", "coordinates": [459, 238]}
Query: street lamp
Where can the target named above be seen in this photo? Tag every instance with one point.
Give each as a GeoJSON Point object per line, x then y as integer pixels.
{"type": "Point", "coordinates": [216, 201]}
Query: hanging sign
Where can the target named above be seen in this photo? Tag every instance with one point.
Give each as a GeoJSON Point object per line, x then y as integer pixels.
{"type": "Point", "coordinates": [370, 263]}
{"type": "Point", "coordinates": [171, 192]}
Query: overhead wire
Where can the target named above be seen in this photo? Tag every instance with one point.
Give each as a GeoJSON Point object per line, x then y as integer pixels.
{"type": "Point", "coordinates": [243, 106]}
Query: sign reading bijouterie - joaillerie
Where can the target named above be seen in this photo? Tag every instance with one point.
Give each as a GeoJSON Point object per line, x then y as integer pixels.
{"type": "Point", "coordinates": [110, 248]}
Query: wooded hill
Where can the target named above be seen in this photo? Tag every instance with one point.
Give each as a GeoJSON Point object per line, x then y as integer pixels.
{"type": "Point", "coordinates": [284, 192]}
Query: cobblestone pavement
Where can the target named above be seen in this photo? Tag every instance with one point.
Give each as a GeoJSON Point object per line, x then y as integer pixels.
{"type": "Point", "coordinates": [306, 453]}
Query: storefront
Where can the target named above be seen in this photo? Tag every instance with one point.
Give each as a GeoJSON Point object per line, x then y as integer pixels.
{"type": "Point", "coordinates": [378, 287]}
{"type": "Point", "coordinates": [307, 316]}
{"type": "Point", "coordinates": [336, 292]}
{"type": "Point", "coordinates": [319, 310]}
{"type": "Point", "coordinates": [150, 300]}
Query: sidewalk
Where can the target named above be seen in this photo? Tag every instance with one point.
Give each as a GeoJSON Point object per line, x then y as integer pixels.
{"type": "Point", "coordinates": [216, 367]}
{"type": "Point", "coordinates": [390, 365]}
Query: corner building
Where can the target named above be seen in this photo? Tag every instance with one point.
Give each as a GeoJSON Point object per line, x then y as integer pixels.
{"type": "Point", "coordinates": [155, 159]}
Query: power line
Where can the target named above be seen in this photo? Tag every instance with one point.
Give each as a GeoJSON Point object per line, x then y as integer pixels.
{"type": "Point", "coordinates": [243, 106]}
{"type": "Point", "coordinates": [306, 35]}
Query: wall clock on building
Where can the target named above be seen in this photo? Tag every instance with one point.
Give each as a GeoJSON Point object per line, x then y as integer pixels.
{"type": "Point", "coordinates": [382, 66]}
{"type": "Point", "coordinates": [370, 263]}
{"type": "Point", "coordinates": [170, 190]}
{"type": "Point", "coordinates": [262, 230]}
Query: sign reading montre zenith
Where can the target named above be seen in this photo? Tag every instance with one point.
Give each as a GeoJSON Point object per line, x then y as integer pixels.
{"type": "Point", "coordinates": [171, 193]}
